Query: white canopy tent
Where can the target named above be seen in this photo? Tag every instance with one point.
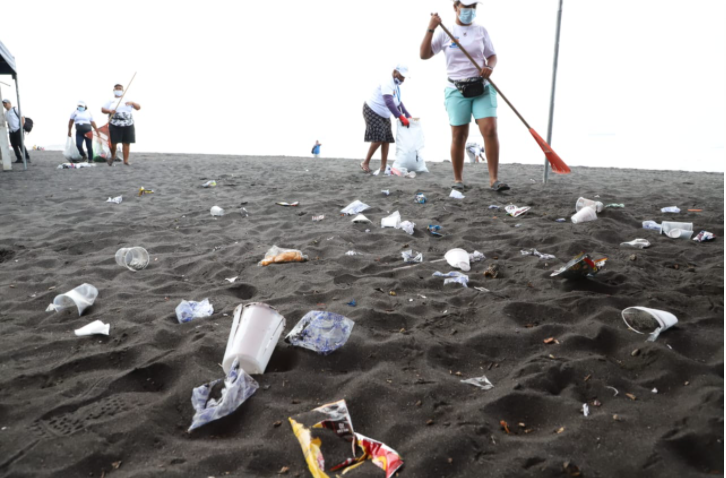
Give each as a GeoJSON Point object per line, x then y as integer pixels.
{"type": "Point", "coordinates": [8, 67]}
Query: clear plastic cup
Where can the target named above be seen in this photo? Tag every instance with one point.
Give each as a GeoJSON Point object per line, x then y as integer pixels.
{"type": "Point", "coordinates": [677, 230]}
{"type": "Point", "coordinates": [216, 211]}
{"type": "Point", "coordinates": [648, 321]}
{"type": "Point", "coordinates": [585, 214]}
{"type": "Point", "coordinates": [81, 297]}
{"type": "Point", "coordinates": [133, 258]}
{"type": "Point", "coordinates": [458, 258]}
{"type": "Point", "coordinates": [584, 202]}
{"type": "Point", "coordinates": [256, 328]}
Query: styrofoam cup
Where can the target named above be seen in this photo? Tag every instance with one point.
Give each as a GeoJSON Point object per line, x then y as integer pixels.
{"type": "Point", "coordinates": [81, 297]}
{"type": "Point", "coordinates": [584, 202]}
{"type": "Point", "coordinates": [585, 214]}
{"type": "Point", "coordinates": [216, 211]}
{"type": "Point", "coordinates": [391, 221]}
{"type": "Point", "coordinates": [458, 258]}
{"type": "Point", "coordinates": [133, 258]}
{"type": "Point", "coordinates": [256, 328]}
{"type": "Point", "coordinates": [648, 321]}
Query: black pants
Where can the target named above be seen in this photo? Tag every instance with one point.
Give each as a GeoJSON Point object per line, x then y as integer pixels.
{"type": "Point", "coordinates": [15, 139]}
{"type": "Point", "coordinates": [81, 130]}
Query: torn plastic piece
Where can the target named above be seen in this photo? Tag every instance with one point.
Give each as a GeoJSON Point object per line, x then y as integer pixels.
{"type": "Point", "coordinates": [585, 409]}
{"type": "Point", "coordinates": [410, 256]}
{"type": "Point", "coordinates": [704, 236]}
{"type": "Point", "coordinates": [143, 191]}
{"type": "Point", "coordinates": [330, 445]}
{"type": "Point", "coordinates": [482, 289]}
{"type": "Point", "coordinates": [356, 207]}
{"type": "Point", "coordinates": [406, 226]}
{"type": "Point", "coordinates": [188, 310]}
{"type": "Point", "coordinates": [481, 382]}
{"type": "Point", "coordinates": [231, 279]}
{"type": "Point", "coordinates": [210, 184]}
{"type": "Point", "coordinates": [386, 192]}
{"type": "Point", "coordinates": [535, 252]}
{"type": "Point", "coordinates": [456, 194]}
{"type": "Point", "coordinates": [615, 205]}
{"type": "Point", "coordinates": [454, 277]}
{"type": "Point", "coordinates": [116, 200]}
{"type": "Point", "coordinates": [515, 211]}
{"type": "Point", "coordinates": [434, 230]}
{"type": "Point", "coordinates": [352, 303]}
{"type": "Point", "coordinates": [81, 297]}
{"type": "Point", "coordinates": [580, 266]}
{"type": "Point", "coordinates": [648, 321]}
{"type": "Point", "coordinates": [562, 219]}
{"type": "Point", "coordinates": [614, 390]}
{"type": "Point", "coordinates": [420, 198]}
{"type": "Point", "coordinates": [476, 256]}
{"type": "Point", "coordinates": [318, 218]}
{"type": "Point", "coordinates": [352, 253]}
{"type": "Point", "coordinates": [392, 220]}
{"type": "Point", "coordinates": [494, 206]}
{"type": "Point", "coordinates": [361, 219]}
{"type": "Point", "coordinates": [320, 331]}
{"type": "Point", "coordinates": [94, 328]}
{"type": "Point", "coordinates": [238, 387]}
{"type": "Point", "coordinates": [652, 226]}
{"type": "Point", "coordinates": [636, 244]}
{"type": "Point", "coordinates": [278, 255]}
{"type": "Point", "coordinates": [673, 209]}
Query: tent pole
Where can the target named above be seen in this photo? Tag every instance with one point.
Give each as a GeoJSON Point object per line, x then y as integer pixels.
{"type": "Point", "coordinates": [23, 152]}
{"type": "Point", "coordinates": [552, 95]}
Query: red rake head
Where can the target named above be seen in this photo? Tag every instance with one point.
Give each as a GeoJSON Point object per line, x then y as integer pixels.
{"type": "Point", "coordinates": [558, 166]}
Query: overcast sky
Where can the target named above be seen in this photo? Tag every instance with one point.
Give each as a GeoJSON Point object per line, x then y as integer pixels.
{"type": "Point", "coordinates": [640, 83]}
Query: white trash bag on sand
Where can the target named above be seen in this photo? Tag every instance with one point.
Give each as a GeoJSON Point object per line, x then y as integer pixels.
{"type": "Point", "coordinates": [71, 152]}
{"type": "Point", "coordinates": [409, 147]}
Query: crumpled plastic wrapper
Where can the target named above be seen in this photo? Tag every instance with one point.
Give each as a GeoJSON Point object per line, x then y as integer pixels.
{"type": "Point", "coordinates": [238, 387]}
{"type": "Point", "coordinates": [188, 310]}
{"type": "Point", "coordinates": [580, 266]}
{"type": "Point", "coordinates": [476, 256]}
{"type": "Point", "coordinates": [330, 445]}
{"type": "Point", "coordinates": [320, 331]}
{"type": "Point", "coordinates": [278, 255]}
{"type": "Point", "coordinates": [481, 382]}
{"type": "Point", "coordinates": [456, 194]}
{"type": "Point", "coordinates": [356, 207]}
{"type": "Point", "coordinates": [704, 236]}
{"type": "Point", "coordinates": [535, 252]}
{"type": "Point", "coordinates": [410, 256]}
{"type": "Point", "coordinates": [515, 211]}
{"type": "Point", "coordinates": [454, 277]}
{"type": "Point", "coordinates": [406, 226]}
{"type": "Point", "coordinates": [116, 200]}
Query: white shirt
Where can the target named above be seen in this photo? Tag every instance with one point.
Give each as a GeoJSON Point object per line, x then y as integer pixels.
{"type": "Point", "coordinates": [124, 114]}
{"type": "Point", "coordinates": [82, 117]}
{"type": "Point", "coordinates": [475, 40]}
{"type": "Point", "coordinates": [13, 121]}
{"type": "Point", "coordinates": [387, 87]}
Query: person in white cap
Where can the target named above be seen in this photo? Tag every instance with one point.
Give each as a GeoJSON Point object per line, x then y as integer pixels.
{"type": "Point", "coordinates": [121, 125]}
{"type": "Point", "coordinates": [83, 120]}
{"type": "Point", "coordinates": [377, 110]}
{"type": "Point", "coordinates": [467, 91]}
{"type": "Point", "coordinates": [15, 130]}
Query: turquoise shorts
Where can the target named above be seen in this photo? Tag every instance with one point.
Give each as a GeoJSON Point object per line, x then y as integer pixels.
{"type": "Point", "coordinates": [461, 109]}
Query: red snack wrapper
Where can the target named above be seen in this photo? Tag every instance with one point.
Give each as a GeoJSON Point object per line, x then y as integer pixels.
{"type": "Point", "coordinates": [580, 266]}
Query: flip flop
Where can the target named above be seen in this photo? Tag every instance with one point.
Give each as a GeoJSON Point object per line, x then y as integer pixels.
{"type": "Point", "coordinates": [109, 161]}
{"type": "Point", "coordinates": [459, 186]}
{"type": "Point", "coordinates": [364, 169]}
{"type": "Point", "coordinates": [499, 186]}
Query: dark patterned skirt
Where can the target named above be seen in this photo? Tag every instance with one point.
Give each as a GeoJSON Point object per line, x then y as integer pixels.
{"type": "Point", "coordinates": [378, 128]}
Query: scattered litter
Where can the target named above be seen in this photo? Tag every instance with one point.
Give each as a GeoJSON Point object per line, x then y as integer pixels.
{"type": "Point", "coordinates": [406, 226]}
{"type": "Point", "coordinates": [677, 230]}
{"type": "Point", "coordinates": [580, 266]}
{"type": "Point", "coordinates": [143, 191]}
{"type": "Point", "coordinates": [454, 277]}
{"type": "Point", "coordinates": [458, 258]}
{"type": "Point", "coordinates": [188, 310]}
{"type": "Point", "coordinates": [515, 211]}
{"type": "Point", "coordinates": [481, 382]}
{"type": "Point", "coordinates": [648, 321]}
{"type": "Point", "coordinates": [386, 192]}
{"type": "Point", "coordinates": [256, 329]}
{"type": "Point", "coordinates": [652, 226]}
{"type": "Point", "coordinates": [75, 166]}
{"type": "Point", "coordinates": [216, 211]}
{"type": "Point", "coordinates": [244, 213]}
{"type": "Point", "coordinates": [286, 204]}
{"type": "Point", "coordinates": [330, 445]}
{"type": "Point", "coordinates": [116, 200]}
{"type": "Point", "coordinates": [434, 230]}
{"type": "Point", "coordinates": [278, 255]}
{"type": "Point", "coordinates": [581, 203]}
{"type": "Point", "coordinates": [94, 328]}
{"type": "Point", "coordinates": [133, 258]}
{"type": "Point", "coordinates": [410, 256]}
{"type": "Point", "coordinates": [320, 331]}
{"type": "Point", "coordinates": [494, 206]}
{"type": "Point", "coordinates": [356, 207]}
{"type": "Point", "coordinates": [318, 218]}
{"type": "Point", "coordinates": [476, 256]}
{"type": "Point", "coordinates": [456, 194]}
{"type": "Point", "coordinates": [636, 244]}
{"type": "Point", "coordinates": [655, 390]}
{"type": "Point", "coordinates": [352, 253]}
{"type": "Point", "coordinates": [535, 252]}
{"type": "Point", "coordinates": [492, 271]}
{"type": "Point", "coordinates": [695, 210]}
{"type": "Point", "coordinates": [586, 214]}
{"type": "Point", "coordinates": [392, 220]}
{"type": "Point", "coordinates": [420, 198]}
{"type": "Point", "coordinates": [361, 219]}
{"type": "Point", "coordinates": [615, 205]}
{"type": "Point", "coordinates": [673, 209]}
{"type": "Point", "coordinates": [481, 289]}
{"type": "Point", "coordinates": [81, 297]}
{"type": "Point", "coordinates": [562, 219]}
{"type": "Point", "coordinates": [352, 303]}
{"type": "Point", "coordinates": [704, 236]}
{"type": "Point", "coordinates": [231, 279]}
{"type": "Point", "coordinates": [238, 387]}
{"type": "Point", "coordinates": [614, 390]}
{"type": "Point", "coordinates": [210, 184]}
{"type": "Point", "coordinates": [585, 409]}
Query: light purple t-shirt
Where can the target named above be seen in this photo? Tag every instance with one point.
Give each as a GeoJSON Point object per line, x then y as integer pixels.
{"type": "Point", "coordinates": [475, 40]}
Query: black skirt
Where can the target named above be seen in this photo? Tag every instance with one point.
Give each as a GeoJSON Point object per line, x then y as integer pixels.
{"type": "Point", "coordinates": [378, 128]}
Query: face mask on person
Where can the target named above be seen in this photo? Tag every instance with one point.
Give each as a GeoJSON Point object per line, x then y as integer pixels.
{"type": "Point", "coordinates": [397, 81]}
{"type": "Point", "coordinates": [81, 108]}
{"type": "Point", "coordinates": [467, 15]}
{"type": "Point", "coordinates": [118, 93]}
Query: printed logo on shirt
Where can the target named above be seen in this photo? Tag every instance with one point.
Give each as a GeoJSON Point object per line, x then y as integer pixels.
{"type": "Point", "coordinates": [453, 44]}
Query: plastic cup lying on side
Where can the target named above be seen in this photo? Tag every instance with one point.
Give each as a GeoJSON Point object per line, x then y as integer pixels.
{"type": "Point", "coordinates": [583, 202]}
{"type": "Point", "coordinates": [216, 211]}
{"type": "Point", "coordinates": [585, 214]}
{"type": "Point", "coordinates": [94, 328]}
{"type": "Point", "coordinates": [133, 258]}
{"type": "Point", "coordinates": [648, 321]}
{"type": "Point", "coordinates": [677, 230]}
{"type": "Point", "coordinates": [256, 328]}
{"type": "Point", "coordinates": [458, 258]}
{"type": "Point", "coordinates": [81, 297]}
{"type": "Point", "coordinates": [391, 221]}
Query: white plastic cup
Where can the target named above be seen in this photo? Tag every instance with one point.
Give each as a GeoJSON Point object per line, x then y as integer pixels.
{"type": "Point", "coordinates": [585, 214]}
{"type": "Point", "coordinates": [458, 258]}
{"type": "Point", "coordinates": [584, 202]}
{"type": "Point", "coordinates": [256, 328]}
{"type": "Point", "coordinates": [133, 258]}
{"type": "Point", "coordinates": [216, 211]}
{"type": "Point", "coordinates": [677, 230]}
{"type": "Point", "coordinates": [94, 328]}
{"type": "Point", "coordinates": [648, 321]}
{"type": "Point", "coordinates": [81, 297]}
{"type": "Point", "coordinates": [391, 221]}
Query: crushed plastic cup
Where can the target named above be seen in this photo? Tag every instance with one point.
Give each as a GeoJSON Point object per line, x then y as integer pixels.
{"type": "Point", "coordinates": [583, 202]}
{"type": "Point", "coordinates": [320, 331]}
{"type": "Point", "coordinates": [648, 321]}
{"type": "Point", "coordinates": [410, 256]}
{"type": "Point", "coordinates": [453, 277]}
{"type": "Point", "coordinates": [671, 209]}
{"type": "Point", "coordinates": [356, 207]}
{"type": "Point", "coordinates": [216, 211]}
{"type": "Point", "coordinates": [392, 220]}
{"type": "Point", "coordinates": [458, 258]}
{"type": "Point", "coordinates": [256, 328]}
{"type": "Point", "coordinates": [652, 226]}
{"type": "Point", "coordinates": [81, 297]}
{"type": "Point", "coordinates": [361, 219]}
{"type": "Point", "coordinates": [116, 200]}
{"type": "Point", "coordinates": [133, 258]}
{"type": "Point", "coordinates": [515, 211]}
{"type": "Point", "coordinates": [209, 184]}
{"type": "Point", "coordinates": [636, 244]}
{"type": "Point", "coordinates": [586, 214]}
{"type": "Point", "coordinates": [94, 328]}
{"type": "Point", "coordinates": [677, 230]}
{"type": "Point", "coordinates": [406, 226]}
{"type": "Point", "coordinates": [188, 310]}
{"type": "Point", "coordinates": [456, 194]}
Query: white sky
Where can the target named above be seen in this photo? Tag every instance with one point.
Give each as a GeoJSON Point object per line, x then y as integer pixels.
{"type": "Point", "coordinates": [640, 83]}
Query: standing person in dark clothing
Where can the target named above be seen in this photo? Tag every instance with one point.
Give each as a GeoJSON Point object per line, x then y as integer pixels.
{"type": "Point", "coordinates": [121, 126]}
{"type": "Point", "coordinates": [84, 122]}
{"type": "Point", "coordinates": [15, 130]}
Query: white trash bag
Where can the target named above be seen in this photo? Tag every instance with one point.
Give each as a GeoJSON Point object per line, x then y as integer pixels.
{"type": "Point", "coordinates": [409, 147]}
{"type": "Point", "coordinates": [71, 152]}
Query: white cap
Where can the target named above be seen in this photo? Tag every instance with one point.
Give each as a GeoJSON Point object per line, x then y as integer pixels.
{"type": "Point", "coordinates": [402, 69]}
{"type": "Point", "coordinates": [6, 100]}
{"type": "Point", "coordinates": [82, 103]}
{"type": "Point", "coordinates": [468, 3]}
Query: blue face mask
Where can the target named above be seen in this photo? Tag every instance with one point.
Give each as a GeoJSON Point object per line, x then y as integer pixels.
{"type": "Point", "coordinates": [81, 108]}
{"type": "Point", "coordinates": [467, 15]}
{"type": "Point", "coordinates": [397, 81]}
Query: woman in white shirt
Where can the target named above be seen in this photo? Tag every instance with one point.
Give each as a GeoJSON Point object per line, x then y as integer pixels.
{"type": "Point", "coordinates": [83, 120]}
{"type": "Point", "coordinates": [467, 92]}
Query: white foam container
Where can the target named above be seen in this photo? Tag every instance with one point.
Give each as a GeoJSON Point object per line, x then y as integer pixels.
{"type": "Point", "coordinates": [458, 258]}
{"type": "Point", "coordinates": [256, 328]}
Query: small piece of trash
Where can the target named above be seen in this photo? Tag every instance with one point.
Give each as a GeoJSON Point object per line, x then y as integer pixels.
{"type": "Point", "coordinates": [385, 192]}
{"type": "Point", "coordinates": [481, 289]}
{"type": "Point", "coordinates": [614, 390]}
{"type": "Point", "coordinates": [456, 194]}
{"type": "Point", "coordinates": [585, 409]}
{"type": "Point", "coordinates": [535, 252]}
{"type": "Point", "coordinates": [562, 219]}
{"type": "Point", "coordinates": [231, 279]}
{"type": "Point", "coordinates": [672, 209]}
{"type": "Point", "coordinates": [352, 253]}
{"type": "Point", "coordinates": [453, 277]}
{"type": "Point", "coordinates": [481, 382]}
{"type": "Point", "coordinates": [411, 257]}
{"type": "Point", "coordinates": [655, 390]}
{"type": "Point", "coordinates": [356, 207]}
{"type": "Point", "coordinates": [318, 218]}
{"type": "Point", "coordinates": [188, 310]}
{"type": "Point", "coordinates": [116, 200]}
{"type": "Point", "coordinates": [285, 204]}
{"type": "Point", "coordinates": [352, 303]}
{"type": "Point", "coordinates": [515, 211]}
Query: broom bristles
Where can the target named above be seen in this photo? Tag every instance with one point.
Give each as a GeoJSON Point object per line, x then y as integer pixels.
{"type": "Point", "coordinates": [558, 166]}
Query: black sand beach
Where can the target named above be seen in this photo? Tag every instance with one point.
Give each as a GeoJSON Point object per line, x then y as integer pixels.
{"type": "Point", "coordinates": [120, 406]}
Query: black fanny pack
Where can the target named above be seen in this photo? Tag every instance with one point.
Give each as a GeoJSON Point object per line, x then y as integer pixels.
{"type": "Point", "coordinates": [470, 87]}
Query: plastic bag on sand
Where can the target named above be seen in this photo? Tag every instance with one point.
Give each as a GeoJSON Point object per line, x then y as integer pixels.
{"type": "Point", "coordinates": [238, 387]}
{"type": "Point", "coordinates": [320, 331]}
{"type": "Point", "coordinates": [188, 310]}
{"type": "Point", "coordinates": [101, 150]}
{"type": "Point", "coordinates": [410, 256]}
{"type": "Point", "coordinates": [71, 152]}
{"type": "Point", "coordinates": [278, 255]}
{"type": "Point", "coordinates": [454, 277]}
{"type": "Point", "coordinates": [409, 147]}
{"type": "Point", "coordinates": [481, 382]}
{"type": "Point", "coordinates": [393, 220]}
{"type": "Point", "coordinates": [406, 226]}
{"type": "Point", "coordinates": [356, 207]}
